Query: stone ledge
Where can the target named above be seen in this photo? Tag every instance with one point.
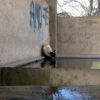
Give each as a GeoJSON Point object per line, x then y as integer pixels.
{"type": "Point", "coordinates": [81, 56]}
{"type": "Point", "coordinates": [24, 62]}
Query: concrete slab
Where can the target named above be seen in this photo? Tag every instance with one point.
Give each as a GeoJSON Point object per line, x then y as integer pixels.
{"type": "Point", "coordinates": [53, 93]}
{"type": "Point", "coordinates": [66, 73]}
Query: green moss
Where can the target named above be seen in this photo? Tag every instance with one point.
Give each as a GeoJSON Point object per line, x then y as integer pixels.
{"type": "Point", "coordinates": [96, 65]}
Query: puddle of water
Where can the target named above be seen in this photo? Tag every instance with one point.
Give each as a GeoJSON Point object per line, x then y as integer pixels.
{"type": "Point", "coordinates": [78, 63]}
{"type": "Point", "coordinates": [49, 93]}
{"type": "Point", "coordinates": [54, 74]}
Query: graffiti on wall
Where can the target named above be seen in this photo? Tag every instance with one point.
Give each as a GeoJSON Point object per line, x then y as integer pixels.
{"type": "Point", "coordinates": [37, 15]}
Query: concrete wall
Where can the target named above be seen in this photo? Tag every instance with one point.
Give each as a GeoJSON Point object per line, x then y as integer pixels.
{"type": "Point", "coordinates": [24, 27]}
{"type": "Point", "coordinates": [78, 36]}
{"type": "Point", "coordinates": [52, 22]}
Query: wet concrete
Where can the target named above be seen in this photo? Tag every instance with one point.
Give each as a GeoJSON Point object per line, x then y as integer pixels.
{"type": "Point", "coordinates": [49, 93]}
{"type": "Point", "coordinates": [61, 79]}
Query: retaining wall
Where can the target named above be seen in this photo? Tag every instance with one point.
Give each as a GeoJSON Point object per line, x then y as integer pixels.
{"type": "Point", "coordinates": [78, 36]}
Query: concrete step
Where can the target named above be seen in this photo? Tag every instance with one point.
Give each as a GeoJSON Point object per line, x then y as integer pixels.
{"type": "Point", "coordinates": [66, 72]}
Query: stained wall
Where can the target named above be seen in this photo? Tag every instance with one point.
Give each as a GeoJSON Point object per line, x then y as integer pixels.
{"type": "Point", "coordinates": [78, 36]}
{"type": "Point", "coordinates": [24, 27]}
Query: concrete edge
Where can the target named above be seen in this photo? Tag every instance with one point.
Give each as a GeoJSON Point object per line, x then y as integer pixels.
{"type": "Point", "coordinates": [82, 56]}
{"type": "Point", "coordinates": [24, 62]}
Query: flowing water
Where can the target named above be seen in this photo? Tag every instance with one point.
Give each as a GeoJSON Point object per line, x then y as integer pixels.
{"type": "Point", "coordinates": [60, 79]}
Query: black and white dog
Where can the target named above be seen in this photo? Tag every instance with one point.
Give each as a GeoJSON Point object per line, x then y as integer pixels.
{"type": "Point", "coordinates": [47, 51]}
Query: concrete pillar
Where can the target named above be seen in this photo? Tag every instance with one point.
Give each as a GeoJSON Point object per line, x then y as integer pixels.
{"type": "Point", "coordinates": [52, 22]}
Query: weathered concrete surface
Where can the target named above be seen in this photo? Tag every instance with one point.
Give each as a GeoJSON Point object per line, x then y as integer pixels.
{"type": "Point", "coordinates": [48, 93]}
{"type": "Point", "coordinates": [78, 36]}
{"type": "Point", "coordinates": [24, 27]}
{"type": "Point", "coordinates": [48, 76]}
{"type": "Point", "coordinates": [52, 22]}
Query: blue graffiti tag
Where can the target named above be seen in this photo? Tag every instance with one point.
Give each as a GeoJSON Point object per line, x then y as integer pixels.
{"type": "Point", "coordinates": [36, 15]}
{"type": "Point", "coordinates": [45, 16]}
